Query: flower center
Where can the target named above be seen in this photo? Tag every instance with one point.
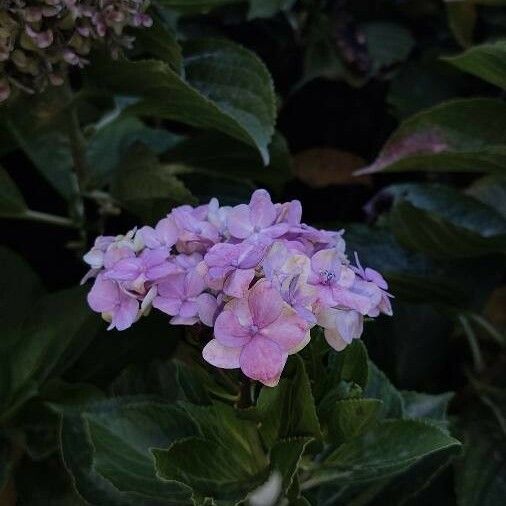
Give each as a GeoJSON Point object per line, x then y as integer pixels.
{"type": "Point", "coordinates": [254, 329]}
{"type": "Point", "coordinates": [326, 277]}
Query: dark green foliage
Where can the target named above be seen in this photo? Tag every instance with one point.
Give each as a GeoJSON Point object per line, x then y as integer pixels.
{"type": "Point", "coordinates": [213, 101]}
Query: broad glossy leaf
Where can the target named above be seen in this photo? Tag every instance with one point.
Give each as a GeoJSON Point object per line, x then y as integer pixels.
{"type": "Point", "coordinates": [12, 203]}
{"type": "Point", "coordinates": [225, 462]}
{"type": "Point", "coordinates": [160, 43]}
{"type": "Point", "coordinates": [464, 135]}
{"type": "Point", "coordinates": [430, 407]}
{"type": "Point", "coordinates": [285, 458]}
{"type": "Point", "coordinates": [221, 156]}
{"type": "Point", "coordinates": [197, 6]}
{"type": "Point", "coordinates": [147, 188]}
{"type": "Point", "coordinates": [107, 449]}
{"type": "Point", "coordinates": [21, 285]}
{"type": "Point", "coordinates": [386, 450]}
{"type": "Point", "coordinates": [225, 88]}
{"type": "Point", "coordinates": [50, 153]}
{"type": "Point", "coordinates": [289, 409]}
{"type": "Point", "coordinates": [490, 190]}
{"type": "Point", "coordinates": [351, 418]}
{"type": "Point", "coordinates": [487, 61]}
{"type": "Point", "coordinates": [111, 141]}
{"type": "Point", "coordinates": [268, 8]}
{"type": "Point", "coordinates": [388, 43]}
{"type": "Point", "coordinates": [122, 441]}
{"type": "Point", "coordinates": [462, 17]}
{"type": "Point", "coordinates": [441, 221]}
{"type": "Point", "coordinates": [379, 387]}
{"type": "Point", "coordinates": [44, 344]}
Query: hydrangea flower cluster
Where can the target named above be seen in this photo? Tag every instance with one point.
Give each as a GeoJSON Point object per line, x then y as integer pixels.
{"type": "Point", "coordinates": [254, 273]}
{"type": "Point", "coordinates": [40, 38]}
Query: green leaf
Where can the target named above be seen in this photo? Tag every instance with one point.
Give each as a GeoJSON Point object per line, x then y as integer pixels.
{"type": "Point", "coordinates": [112, 139]}
{"type": "Point", "coordinates": [289, 409]}
{"type": "Point", "coordinates": [351, 418]}
{"type": "Point", "coordinates": [464, 135]}
{"type": "Point", "coordinates": [440, 221]}
{"type": "Point", "coordinates": [44, 343]}
{"type": "Point", "coordinates": [107, 449]}
{"type": "Point", "coordinates": [197, 6]}
{"type": "Point", "coordinates": [268, 8]}
{"type": "Point", "coordinates": [351, 363]}
{"type": "Point", "coordinates": [50, 153]}
{"type": "Point", "coordinates": [222, 156]}
{"type": "Point", "coordinates": [147, 188]}
{"type": "Point", "coordinates": [462, 20]}
{"type": "Point", "coordinates": [160, 43]}
{"type": "Point", "coordinates": [490, 190]}
{"type": "Point", "coordinates": [387, 43]}
{"type": "Point", "coordinates": [387, 449]}
{"type": "Point", "coordinates": [429, 407]}
{"type": "Point", "coordinates": [23, 287]}
{"type": "Point", "coordinates": [487, 61]}
{"type": "Point", "coordinates": [379, 387]}
{"type": "Point", "coordinates": [285, 458]}
{"type": "Point", "coordinates": [225, 463]}
{"type": "Point", "coordinates": [226, 88]}
{"type": "Point", "coordinates": [122, 441]}
{"type": "Point", "coordinates": [12, 202]}
{"type": "Point", "coordinates": [479, 475]}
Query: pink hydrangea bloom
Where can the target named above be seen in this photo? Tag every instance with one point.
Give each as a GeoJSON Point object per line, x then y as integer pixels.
{"type": "Point", "coordinates": [253, 273]}
{"type": "Point", "coordinates": [257, 333]}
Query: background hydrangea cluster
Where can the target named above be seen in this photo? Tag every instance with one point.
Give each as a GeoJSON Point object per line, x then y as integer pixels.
{"type": "Point", "coordinates": [40, 38]}
{"type": "Point", "coordinates": [255, 273]}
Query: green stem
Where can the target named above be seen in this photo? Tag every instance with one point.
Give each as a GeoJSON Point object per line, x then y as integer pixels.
{"type": "Point", "coordinates": [80, 164]}
{"type": "Point", "coordinates": [51, 219]}
{"type": "Point", "coordinates": [489, 328]}
{"type": "Point", "coordinates": [479, 364]}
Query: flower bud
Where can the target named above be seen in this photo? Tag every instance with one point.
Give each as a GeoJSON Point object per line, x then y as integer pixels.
{"type": "Point", "coordinates": [41, 38]}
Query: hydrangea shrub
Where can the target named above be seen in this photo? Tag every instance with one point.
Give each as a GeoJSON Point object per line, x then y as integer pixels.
{"type": "Point", "coordinates": [254, 273]}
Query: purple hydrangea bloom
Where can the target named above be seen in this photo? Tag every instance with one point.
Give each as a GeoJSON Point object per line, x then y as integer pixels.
{"type": "Point", "coordinates": [253, 273]}
{"type": "Point", "coordinates": [257, 333]}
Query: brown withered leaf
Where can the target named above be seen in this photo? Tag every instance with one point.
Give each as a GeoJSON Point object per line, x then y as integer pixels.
{"type": "Point", "coordinates": [321, 167]}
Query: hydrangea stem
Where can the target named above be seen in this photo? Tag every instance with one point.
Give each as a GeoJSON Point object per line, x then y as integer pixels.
{"type": "Point", "coordinates": [80, 164]}
{"type": "Point", "coordinates": [52, 219]}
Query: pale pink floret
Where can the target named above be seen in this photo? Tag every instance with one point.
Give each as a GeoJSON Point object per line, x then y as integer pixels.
{"type": "Point", "coordinates": [116, 306]}
{"type": "Point", "coordinates": [149, 266]}
{"type": "Point", "coordinates": [231, 267]}
{"type": "Point", "coordinates": [340, 326]}
{"type": "Point", "coordinates": [257, 334]}
{"type": "Point", "coordinates": [245, 221]}
{"type": "Point", "coordinates": [177, 297]}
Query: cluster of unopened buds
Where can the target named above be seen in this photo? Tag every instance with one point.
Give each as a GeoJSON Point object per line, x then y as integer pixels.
{"type": "Point", "coordinates": [254, 273]}
{"type": "Point", "coordinates": [39, 39]}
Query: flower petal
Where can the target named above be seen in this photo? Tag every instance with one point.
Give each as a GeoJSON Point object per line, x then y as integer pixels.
{"type": "Point", "coordinates": [335, 340]}
{"type": "Point", "coordinates": [221, 356]}
{"type": "Point", "coordinates": [104, 295]}
{"type": "Point", "coordinates": [288, 331]}
{"type": "Point", "coordinates": [239, 223]}
{"type": "Point", "coordinates": [207, 308]}
{"type": "Point", "coordinates": [265, 303]}
{"type": "Point", "coordinates": [237, 283]}
{"type": "Point", "coordinates": [263, 360]}
{"type": "Point", "coordinates": [229, 331]}
{"type": "Point", "coordinates": [263, 211]}
{"type": "Point", "coordinates": [168, 305]}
